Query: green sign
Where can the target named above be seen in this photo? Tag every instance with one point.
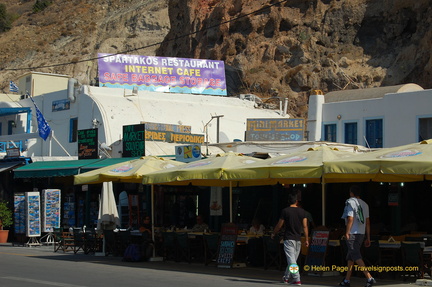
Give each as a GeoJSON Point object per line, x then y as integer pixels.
{"type": "Point", "coordinates": [134, 140]}
{"type": "Point", "coordinates": [88, 147]}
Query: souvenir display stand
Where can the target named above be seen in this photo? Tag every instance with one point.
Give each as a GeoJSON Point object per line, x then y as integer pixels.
{"type": "Point", "coordinates": [20, 217]}
{"type": "Point", "coordinates": [51, 216]}
{"type": "Point", "coordinates": [33, 218]}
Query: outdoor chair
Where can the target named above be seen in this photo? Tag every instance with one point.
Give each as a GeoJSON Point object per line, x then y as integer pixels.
{"type": "Point", "coordinates": [63, 240]}
{"type": "Point", "coordinates": [58, 239]}
{"type": "Point", "coordinates": [183, 247]}
{"type": "Point", "coordinates": [91, 243]}
{"type": "Point", "coordinates": [78, 239]}
{"type": "Point", "coordinates": [272, 252]}
{"type": "Point", "coordinates": [168, 245]}
{"type": "Point", "coordinates": [110, 243]}
{"type": "Point", "coordinates": [211, 246]}
{"type": "Point", "coordinates": [122, 240]}
{"type": "Point", "coordinates": [412, 256]}
{"type": "Point", "coordinates": [147, 244]}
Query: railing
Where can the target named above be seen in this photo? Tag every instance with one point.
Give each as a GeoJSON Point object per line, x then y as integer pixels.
{"type": "Point", "coordinates": [10, 144]}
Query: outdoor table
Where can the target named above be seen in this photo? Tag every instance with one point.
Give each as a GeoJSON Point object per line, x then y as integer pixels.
{"type": "Point", "coordinates": [244, 238]}
{"type": "Point", "coordinates": [334, 243]}
{"type": "Point", "coordinates": [391, 254]}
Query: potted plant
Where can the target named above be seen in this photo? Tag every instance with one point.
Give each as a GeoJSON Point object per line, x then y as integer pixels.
{"type": "Point", "coordinates": [5, 220]}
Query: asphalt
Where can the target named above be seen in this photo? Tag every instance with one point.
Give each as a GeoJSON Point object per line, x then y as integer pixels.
{"type": "Point", "coordinates": [253, 274]}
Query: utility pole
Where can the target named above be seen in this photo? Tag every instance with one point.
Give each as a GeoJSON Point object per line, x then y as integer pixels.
{"type": "Point", "coordinates": [217, 129]}
{"type": "Point", "coordinates": [217, 126]}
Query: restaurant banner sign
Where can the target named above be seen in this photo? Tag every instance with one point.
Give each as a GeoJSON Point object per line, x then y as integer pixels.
{"type": "Point", "coordinates": [162, 74]}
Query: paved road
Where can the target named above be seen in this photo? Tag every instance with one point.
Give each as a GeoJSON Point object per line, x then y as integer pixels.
{"type": "Point", "coordinates": [40, 266]}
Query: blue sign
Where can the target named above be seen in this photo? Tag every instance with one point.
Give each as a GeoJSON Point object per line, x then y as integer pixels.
{"type": "Point", "coordinates": [60, 105]}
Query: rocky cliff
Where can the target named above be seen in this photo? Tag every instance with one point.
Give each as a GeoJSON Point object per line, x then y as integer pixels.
{"type": "Point", "coordinates": [62, 38]}
{"type": "Point", "coordinates": [272, 48]}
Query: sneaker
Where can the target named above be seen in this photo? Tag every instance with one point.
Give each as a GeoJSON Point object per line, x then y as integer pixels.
{"type": "Point", "coordinates": [370, 282]}
{"type": "Point", "coordinates": [285, 280]}
{"type": "Point", "coordinates": [344, 283]}
{"type": "Point", "coordinates": [296, 283]}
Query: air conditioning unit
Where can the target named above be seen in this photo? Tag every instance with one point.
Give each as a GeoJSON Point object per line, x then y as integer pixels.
{"type": "Point", "coordinates": [248, 97]}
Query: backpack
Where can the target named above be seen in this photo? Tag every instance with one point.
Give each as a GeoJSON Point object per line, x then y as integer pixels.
{"type": "Point", "coordinates": [132, 253]}
{"type": "Point", "coordinates": [359, 212]}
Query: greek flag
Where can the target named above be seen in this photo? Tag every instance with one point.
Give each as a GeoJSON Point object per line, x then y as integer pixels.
{"type": "Point", "coordinates": [13, 88]}
{"type": "Point", "coordinates": [43, 127]}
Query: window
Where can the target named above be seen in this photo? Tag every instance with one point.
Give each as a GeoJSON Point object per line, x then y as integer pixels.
{"type": "Point", "coordinates": [330, 133]}
{"type": "Point", "coordinates": [351, 133]}
{"type": "Point", "coordinates": [425, 129]}
{"type": "Point", "coordinates": [374, 133]}
{"type": "Point", "coordinates": [73, 130]}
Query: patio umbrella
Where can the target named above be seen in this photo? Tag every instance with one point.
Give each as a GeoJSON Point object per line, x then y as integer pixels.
{"type": "Point", "coordinates": [412, 162]}
{"type": "Point", "coordinates": [128, 171]}
{"type": "Point", "coordinates": [295, 168]}
{"type": "Point", "coordinates": [206, 172]}
{"type": "Point", "coordinates": [108, 217]}
{"type": "Point", "coordinates": [299, 167]}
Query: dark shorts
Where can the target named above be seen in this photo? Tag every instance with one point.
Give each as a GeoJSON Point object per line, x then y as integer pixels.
{"type": "Point", "coordinates": [353, 247]}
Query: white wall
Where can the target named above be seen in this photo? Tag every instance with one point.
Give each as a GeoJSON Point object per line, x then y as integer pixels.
{"type": "Point", "coordinates": [113, 110]}
{"type": "Point", "coordinates": [400, 113]}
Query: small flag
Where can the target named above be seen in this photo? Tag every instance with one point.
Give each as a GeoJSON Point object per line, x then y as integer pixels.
{"type": "Point", "coordinates": [13, 88]}
{"type": "Point", "coordinates": [43, 127]}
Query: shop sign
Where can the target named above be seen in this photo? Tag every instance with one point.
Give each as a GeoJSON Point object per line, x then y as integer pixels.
{"type": "Point", "coordinates": [227, 244]}
{"type": "Point", "coordinates": [60, 105]}
{"type": "Point", "coordinates": [393, 199]}
{"type": "Point", "coordinates": [134, 140]}
{"type": "Point", "coordinates": [317, 248]}
{"type": "Point", "coordinates": [173, 137]}
{"type": "Point", "coordinates": [88, 147]}
{"type": "Point", "coordinates": [275, 129]}
{"type": "Point", "coordinates": [167, 127]}
{"type": "Point", "coordinates": [162, 74]}
{"type": "Point", "coordinates": [188, 153]}
{"type": "Point", "coordinates": [13, 152]}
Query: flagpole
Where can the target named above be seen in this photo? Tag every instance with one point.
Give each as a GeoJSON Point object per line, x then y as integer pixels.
{"type": "Point", "coordinates": [50, 143]}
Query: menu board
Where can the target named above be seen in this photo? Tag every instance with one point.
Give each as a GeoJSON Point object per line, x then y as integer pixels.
{"type": "Point", "coordinates": [19, 213]}
{"type": "Point", "coordinates": [88, 147]}
{"type": "Point", "coordinates": [33, 221]}
{"type": "Point", "coordinates": [134, 140]}
{"type": "Point", "coordinates": [318, 248]}
{"type": "Point", "coordinates": [227, 245]}
{"type": "Point", "coordinates": [51, 209]}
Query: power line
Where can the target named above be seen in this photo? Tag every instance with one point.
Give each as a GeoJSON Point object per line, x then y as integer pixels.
{"type": "Point", "coordinates": [151, 45]}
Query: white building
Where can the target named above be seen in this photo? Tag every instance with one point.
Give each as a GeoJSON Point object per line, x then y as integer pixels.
{"type": "Point", "coordinates": [69, 107]}
{"type": "Point", "coordinates": [376, 117]}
